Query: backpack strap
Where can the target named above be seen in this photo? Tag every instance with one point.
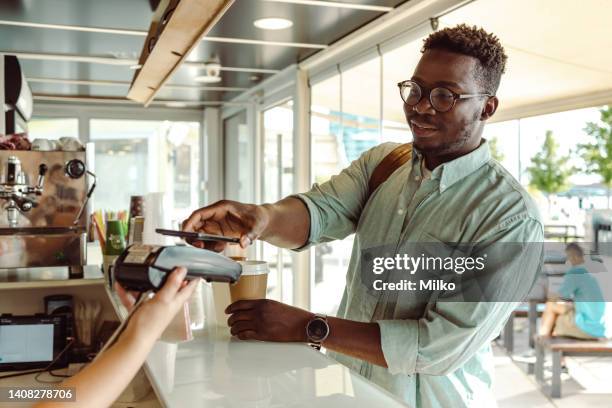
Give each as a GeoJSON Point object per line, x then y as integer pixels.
{"type": "Point", "coordinates": [391, 162]}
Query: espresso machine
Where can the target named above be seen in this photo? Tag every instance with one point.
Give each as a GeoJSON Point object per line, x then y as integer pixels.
{"type": "Point", "coordinates": [43, 209]}
{"type": "Point", "coordinates": [43, 194]}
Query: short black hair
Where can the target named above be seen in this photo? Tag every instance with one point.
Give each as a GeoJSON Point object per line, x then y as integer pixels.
{"type": "Point", "coordinates": [574, 247]}
{"type": "Point", "coordinates": [474, 42]}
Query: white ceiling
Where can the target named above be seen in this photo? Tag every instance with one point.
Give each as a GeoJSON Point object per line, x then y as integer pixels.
{"type": "Point", "coordinates": [558, 59]}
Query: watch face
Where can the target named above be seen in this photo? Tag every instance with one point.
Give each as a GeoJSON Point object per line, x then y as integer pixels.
{"type": "Point", "coordinates": [317, 329]}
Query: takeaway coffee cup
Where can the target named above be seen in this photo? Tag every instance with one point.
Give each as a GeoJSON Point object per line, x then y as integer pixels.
{"type": "Point", "coordinates": [252, 283]}
{"type": "Point", "coordinates": [235, 252]}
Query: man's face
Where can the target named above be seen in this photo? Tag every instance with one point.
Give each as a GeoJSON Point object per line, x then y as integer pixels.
{"type": "Point", "coordinates": [459, 129]}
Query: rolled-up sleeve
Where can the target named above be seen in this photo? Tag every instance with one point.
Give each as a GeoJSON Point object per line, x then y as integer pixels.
{"type": "Point", "coordinates": [452, 330]}
{"type": "Point", "coordinates": [335, 205]}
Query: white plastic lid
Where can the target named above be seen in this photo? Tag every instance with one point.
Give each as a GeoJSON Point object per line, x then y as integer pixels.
{"type": "Point", "coordinates": [254, 267]}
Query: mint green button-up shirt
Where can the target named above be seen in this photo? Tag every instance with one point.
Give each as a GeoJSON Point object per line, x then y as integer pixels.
{"type": "Point", "coordinates": [438, 352]}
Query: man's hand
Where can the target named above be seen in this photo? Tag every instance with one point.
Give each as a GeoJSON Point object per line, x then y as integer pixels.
{"type": "Point", "coordinates": [268, 320]}
{"type": "Point", "coordinates": [228, 218]}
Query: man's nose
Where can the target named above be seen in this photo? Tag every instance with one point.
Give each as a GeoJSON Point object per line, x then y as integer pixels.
{"type": "Point", "coordinates": [424, 107]}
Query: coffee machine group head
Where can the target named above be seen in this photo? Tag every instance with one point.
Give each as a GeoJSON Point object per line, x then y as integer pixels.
{"type": "Point", "coordinates": [17, 194]}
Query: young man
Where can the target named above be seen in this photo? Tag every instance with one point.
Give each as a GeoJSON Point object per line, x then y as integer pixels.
{"type": "Point", "coordinates": [581, 314]}
{"type": "Point", "coordinates": [428, 351]}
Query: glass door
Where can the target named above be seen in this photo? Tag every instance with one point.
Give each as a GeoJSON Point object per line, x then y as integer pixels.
{"type": "Point", "coordinates": [277, 182]}
{"type": "Point", "coordinates": [238, 162]}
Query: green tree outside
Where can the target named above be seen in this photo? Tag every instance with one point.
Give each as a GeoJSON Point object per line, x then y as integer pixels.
{"type": "Point", "coordinates": [598, 154]}
{"type": "Point", "coordinates": [549, 172]}
{"type": "Point", "coordinates": [496, 153]}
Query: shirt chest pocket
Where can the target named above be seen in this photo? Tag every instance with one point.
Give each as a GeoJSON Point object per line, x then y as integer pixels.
{"type": "Point", "coordinates": [439, 258]}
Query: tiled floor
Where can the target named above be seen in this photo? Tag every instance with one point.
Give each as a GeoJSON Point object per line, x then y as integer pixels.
{"type": "Point", "coordinates": [588, 384]}
{"type": "Point", "coordinates": [513, 387]}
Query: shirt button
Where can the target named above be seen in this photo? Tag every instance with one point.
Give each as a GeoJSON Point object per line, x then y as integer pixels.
{"type": "Point", "coordinates": [400, 211]}
{"type": "Point", "coordinates": [442, 186]}
{"type": "Point", "coordinates": [417, 178]}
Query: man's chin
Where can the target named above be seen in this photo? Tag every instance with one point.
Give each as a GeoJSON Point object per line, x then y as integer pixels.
{"type": "Point", "coordinates": [428, 145]}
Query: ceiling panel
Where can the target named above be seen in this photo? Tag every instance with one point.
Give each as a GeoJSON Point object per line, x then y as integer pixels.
{"type": "Point", "coordinates": [135, 14]}
{"type": "Point", "coordinates": [76, 70]}
{"type": "Point", "coordinates": [194, 95]}
{"type": "Point", "coordinates": [312, 24]}
{"type": "Point", "coordinates": [70, 42]}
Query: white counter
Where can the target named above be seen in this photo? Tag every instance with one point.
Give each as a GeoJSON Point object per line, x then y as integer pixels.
{"type": "Point", "coordinates": [215, 370]}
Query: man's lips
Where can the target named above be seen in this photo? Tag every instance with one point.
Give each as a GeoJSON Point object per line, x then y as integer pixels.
{"type": "Point", "coordinates": [422, 125]}
{"type": "Point", "coordinates": [420, 129]}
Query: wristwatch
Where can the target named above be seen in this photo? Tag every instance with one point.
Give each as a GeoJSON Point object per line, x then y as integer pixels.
{"type": "Point", "coordinates": [317, 330]}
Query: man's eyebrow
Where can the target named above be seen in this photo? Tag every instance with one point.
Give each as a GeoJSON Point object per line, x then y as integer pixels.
{"type": "Point", "coordinates": [439, 83]}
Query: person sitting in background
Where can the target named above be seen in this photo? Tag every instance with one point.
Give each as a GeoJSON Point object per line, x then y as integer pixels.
{"type": "Point", "coordinates": [581, 312]}
{"type": "Point", "coordinates": [101, 382]}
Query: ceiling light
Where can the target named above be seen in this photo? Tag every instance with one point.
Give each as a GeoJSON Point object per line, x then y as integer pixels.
{"type": "Point", "coordinates": [136, 66]}
{"type": "Point", "coordinates": [208, 79]}
{"type": "Point", "coordinates": [212, 71]}
{"type": "Point", "coordinates": [272, 23]}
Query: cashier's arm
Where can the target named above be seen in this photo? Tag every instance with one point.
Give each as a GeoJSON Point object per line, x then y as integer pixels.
{"type": "Point", "coordinates": [285, 224]}
{"type": "Point", "coordinates": [101, 382]}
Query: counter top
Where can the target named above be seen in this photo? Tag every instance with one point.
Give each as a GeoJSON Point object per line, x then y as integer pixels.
{"type": "Point", "coordinates": [216, 370]}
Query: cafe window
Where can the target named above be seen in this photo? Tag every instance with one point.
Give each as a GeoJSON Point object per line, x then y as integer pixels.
{"type": "Point", "coordinates": [52, 128]}
{"type": "Point", "coordinates": [344, 124]}
{"type": "Point", "coordinates": [398, 65]}
{"type": "Point", "coordinates": [136, 157]}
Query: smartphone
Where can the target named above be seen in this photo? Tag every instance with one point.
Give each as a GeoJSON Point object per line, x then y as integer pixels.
{"type": "Point", "coordinates": [197, 236]}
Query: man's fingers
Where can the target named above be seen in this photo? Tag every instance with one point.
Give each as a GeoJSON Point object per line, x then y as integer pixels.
{"type": "Point", "coordinates": [240, 305]}
{"type": "Point", "coordinates": [201, 216]}
{"type": "Point", "coordinates": [246, 240]}
{"type": "Point", "coordinates": [247, 335]}
{"type": "Point", "coordinates": [241, 327]}
{"type": "Point", "coordinates": [215, 211]}
{"type": "Point", "coordinates": [211, 227]}
{"type": "Point", "coordinates": [216, 246]}
{"type": "Point", "coordinates": [196, 219]}
{"type": "Point", "coordinates": [240, 317]}
{"type": "Point", "coordinates": [197, 244]}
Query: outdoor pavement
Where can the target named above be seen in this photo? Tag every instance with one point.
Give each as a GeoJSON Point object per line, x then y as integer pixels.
{"type": "Point", "coordinates": [588, 383]}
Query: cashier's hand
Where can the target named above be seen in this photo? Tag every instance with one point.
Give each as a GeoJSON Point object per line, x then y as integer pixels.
{"type": "Point", "coordinates": [157, 313]}
{"type": "Point", "coordinates": [228, 218]}
{"type": "Point", "coordinates": [267, 320]}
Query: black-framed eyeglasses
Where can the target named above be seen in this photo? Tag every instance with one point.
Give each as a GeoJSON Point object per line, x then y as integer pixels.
{"type": "Point", "coordinates": [441, 99]}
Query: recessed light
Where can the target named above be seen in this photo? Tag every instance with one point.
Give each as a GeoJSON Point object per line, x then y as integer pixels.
{"type": "Point", "coordinates": [272, 23]}
{"type": "Point", "coordinates": [208, 79]}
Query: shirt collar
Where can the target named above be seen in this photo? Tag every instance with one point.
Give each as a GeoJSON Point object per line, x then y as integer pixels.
{"type": "Point", "coordinates": [453, 171]}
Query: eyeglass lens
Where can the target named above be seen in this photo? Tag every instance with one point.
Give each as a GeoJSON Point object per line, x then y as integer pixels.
{"type": "Point", "coordinates": [441, 98]}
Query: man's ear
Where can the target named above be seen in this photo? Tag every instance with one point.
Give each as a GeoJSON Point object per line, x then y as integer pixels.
{"type": "Point", "coordinates": [489, 108]}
